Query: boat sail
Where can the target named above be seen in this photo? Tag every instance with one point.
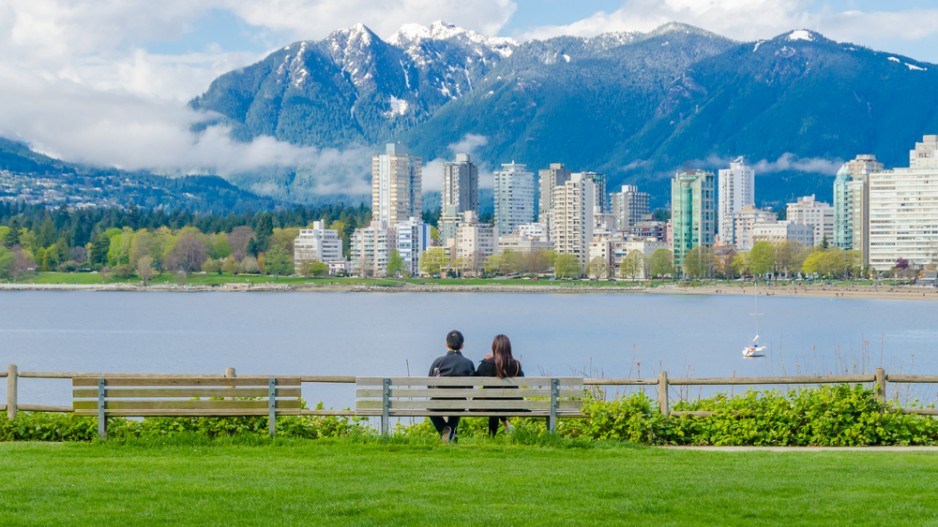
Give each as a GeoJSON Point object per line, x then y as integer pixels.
{"type": "Point", "coordinates": [754, 349]}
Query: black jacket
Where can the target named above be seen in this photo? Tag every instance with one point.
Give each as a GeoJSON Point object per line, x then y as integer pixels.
{"type": "Point", "coordinates": [453, 364]}
{"type": "Point", "coordinates": [487, 369]}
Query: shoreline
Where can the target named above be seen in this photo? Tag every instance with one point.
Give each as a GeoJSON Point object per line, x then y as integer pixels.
{"type": "Point", "coordinates": [923, 293]}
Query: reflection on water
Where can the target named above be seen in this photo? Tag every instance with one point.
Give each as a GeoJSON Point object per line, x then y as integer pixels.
{"type": "Point", "coordinates": [611, 335]}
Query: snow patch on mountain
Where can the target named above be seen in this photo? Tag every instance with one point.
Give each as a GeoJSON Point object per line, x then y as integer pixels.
{"type": "Point", "coordinates": [801, 34]}
{"type": "Point", "coordinates": [398, 107]}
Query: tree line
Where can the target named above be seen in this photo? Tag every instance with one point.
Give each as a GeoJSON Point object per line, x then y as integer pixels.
{"type": "Point", "coordinates": [143, 241]}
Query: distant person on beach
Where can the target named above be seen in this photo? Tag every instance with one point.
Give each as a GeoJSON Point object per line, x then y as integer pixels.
{"type": "Point", "coordinates": [500, 363]}
{"type": "Point", "coordinates": [453, 364]}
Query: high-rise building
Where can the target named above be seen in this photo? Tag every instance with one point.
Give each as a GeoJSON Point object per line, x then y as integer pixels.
{"type": "Point", "coordinates": [460, 194]}
{"type": "Point", "coordinates": [572, 217]}
{"type": "Point", "coordinates": [396, 186]}
{"type": "Point", "coordinates": [628, 207]}
{"type": "Point", "coordinates": [413, 238]}
{"type": "Point", "coordinates": [693, 212]}
{"type": "Point", "coordinates": [514, 197]}
{"type": "Point", "coordinates": [904, 210]}
{"type": "Point", "coordinates": [317, 244]}
{"type": "Point", "coordinates": [852, 202]}
{"type": "Point", "coordinates": [600, 197]}
{"type": "Point", "coordinates": [808, 211]}
{"type": "Point", "coordinates": [549, 178]}
{"type": "Point", "coordinates": [736, 190]}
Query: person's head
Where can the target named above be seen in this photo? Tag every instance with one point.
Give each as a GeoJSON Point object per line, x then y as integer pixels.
{"type": "Point", "coordinates": [505, 363]}
{"type": "Point", "coordinates": [454, 340]}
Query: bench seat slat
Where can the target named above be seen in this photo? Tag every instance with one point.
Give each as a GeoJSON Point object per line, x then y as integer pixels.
{"type": "Point", "coordinates": [474, 404]}
{"type": "Point", "coordinates": [183, 380]}
{"type": "Point", "coordinates": [184, 405]}
{"type": "Point", "coordinates": [483, 413]}
{"type": "Point", "coordinates": [113, 393]}
{"type": "Point", "coordinates": [203, 412]}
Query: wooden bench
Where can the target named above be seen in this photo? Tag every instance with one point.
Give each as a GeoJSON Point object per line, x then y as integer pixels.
{"type": "Point", "coordinates": [184, 396]}
{"type": "Point", "coordinates": [549, 397]}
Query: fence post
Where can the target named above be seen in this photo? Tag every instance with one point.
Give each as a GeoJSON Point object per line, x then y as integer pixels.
{"type": "Point", "coordinates": [386, 407]}
{"type": "Point", "coordinates": [102, 412]}
{"type": "Point", "coordinates": [663, 394]}
{"type": "Point", "coordinates": [230, 373]}
{"type": "Point", "coordinates": [272, 407]}
{"type": "Point", "coordinates": [554, 394]}
{"type": "Point", "coordinates": [880, 386]}
{"type": "Point", "coordinates": [11, 392]}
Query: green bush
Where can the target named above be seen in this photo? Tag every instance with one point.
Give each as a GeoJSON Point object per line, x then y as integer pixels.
{"type": "Point", "coordinates": [843, 415]}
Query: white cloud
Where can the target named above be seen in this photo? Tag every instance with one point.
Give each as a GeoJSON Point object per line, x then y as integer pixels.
{"type": "Point", "coordinates": [791, 162]}
{"type": "Point", "coordinates": [76, 123]}
{"type": "Point", "coordinates": [784, 163]}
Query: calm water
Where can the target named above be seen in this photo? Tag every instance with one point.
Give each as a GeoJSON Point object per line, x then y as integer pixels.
{"type": "Point", "coordinates": [614, 335]}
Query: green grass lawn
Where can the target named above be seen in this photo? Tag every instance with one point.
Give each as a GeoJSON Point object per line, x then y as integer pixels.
{"type": "Point", "coordinates": [478, 483]}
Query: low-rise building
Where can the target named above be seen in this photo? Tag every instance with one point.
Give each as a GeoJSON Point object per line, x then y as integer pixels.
{"type": "Point", "coordinates": [371, 248]}
{"type": "Point", "coordinates": [413, 238]}
{"type": "Point", "coordinates": [782, 231]}
{"type": "Point", "coordinates": [474, 242]}
{"type": "Point", "coordinates": [317, 244]}
{"type": "Point", "coordinates": [820, 215]}
{"type": "Point", "coordinates": [747, 217]}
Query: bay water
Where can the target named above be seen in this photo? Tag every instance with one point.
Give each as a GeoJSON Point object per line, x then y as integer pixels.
{"type": "Point", "coordinates": [393, 334]}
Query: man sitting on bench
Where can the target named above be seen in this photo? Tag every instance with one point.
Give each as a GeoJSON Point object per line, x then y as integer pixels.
{"type": "Point", "coordinates": [453, 364]}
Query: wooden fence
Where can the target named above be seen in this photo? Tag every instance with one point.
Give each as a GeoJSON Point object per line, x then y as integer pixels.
{"type": "Point", "coordinates": [879, 380]}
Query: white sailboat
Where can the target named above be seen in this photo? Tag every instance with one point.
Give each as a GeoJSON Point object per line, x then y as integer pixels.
{"type": "Point", "coordinates": [754, 349]}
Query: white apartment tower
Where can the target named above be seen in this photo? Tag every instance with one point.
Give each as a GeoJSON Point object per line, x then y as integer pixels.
{"type": "Point", "coordinates": [548, 179]}
{"type": "Point", "coordinates": [317, 244]}
{"type": "Point", "coordinates": [736, 189]}
{"type": "Point", "coordinates": [460, 194]}
{"type": "Point", "coordinates": [600, 197]}
{"type": "Point", "coordinates": [413, 238]}
{"type": "Point", "coordinates": [396, 186]}
{"type": "Point", "coordinates": [904, 210]}
{"type": "Point", "coordinates": [514, 197]}
{"type": "Point", "coordinates": [807, 211]}
{"type": "Point", "coordinates": [572, 218]}
{"type": "Point", "coordinates": [628, 207]}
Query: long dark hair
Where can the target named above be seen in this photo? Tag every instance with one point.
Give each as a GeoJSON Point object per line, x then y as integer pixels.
{"type": "Point", "coordinates": [505, 364]}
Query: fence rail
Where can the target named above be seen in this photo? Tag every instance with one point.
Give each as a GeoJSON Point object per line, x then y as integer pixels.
{"type": "Point", "coordinates": [879, 379]}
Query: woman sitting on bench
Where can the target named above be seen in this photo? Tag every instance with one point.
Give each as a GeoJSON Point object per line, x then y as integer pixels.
{"type": "Point", "coordinates": [503, 365]}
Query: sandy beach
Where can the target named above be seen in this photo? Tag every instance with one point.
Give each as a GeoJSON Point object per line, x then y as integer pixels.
{"type": "Point", "coordinates": [884, 292]}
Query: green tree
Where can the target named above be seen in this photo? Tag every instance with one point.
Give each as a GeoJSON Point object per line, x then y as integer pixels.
{"type": "Point", "coordinates": [317, 268]}
{"type": "Point", "coordinates": [632, 265]}
{"type": "Point", "coordinates": [263, 231]}
{"type": "Point", "coordinates": [762, 258]}
{"type": "Point", "coordinates": [599, 268]}
{"type": "Point", "coordinates": [433, 261]}
{"type": "Point", "coordinates": [492, 264]}
{"type": "Point", "coordinates": [698, 263]}
{"type": "Point", "coordinates": [395, 264]}
{"type": "Point", "coordinates": [278, 262]}
{"type": "Point", "coordinates": [144, 269]}
{"type": "Point", "coordinates": [6, 263]}
{"type": "Point", "coordinates": [567, 266]}
{"type": "Point", "coordinates": [789, 255]}
{"type": "Point", "coordinates": [661, 263]}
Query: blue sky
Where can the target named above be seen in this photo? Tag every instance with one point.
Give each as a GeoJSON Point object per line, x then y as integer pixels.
{"type": "Point", "coordinates": [106, 82]}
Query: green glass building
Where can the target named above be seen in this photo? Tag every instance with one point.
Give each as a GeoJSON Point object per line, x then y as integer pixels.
{"type": "Point", "coordinates": [693, 211]}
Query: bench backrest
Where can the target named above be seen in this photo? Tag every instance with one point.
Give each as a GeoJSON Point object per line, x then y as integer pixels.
{"type": "Point", "coordinates": [550, 397]}
{"type": "Point", "coordinates": [184, 396]}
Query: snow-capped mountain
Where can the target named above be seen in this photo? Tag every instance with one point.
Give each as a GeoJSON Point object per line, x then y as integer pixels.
{"type": "Point", "coordinates": [635, 105]}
